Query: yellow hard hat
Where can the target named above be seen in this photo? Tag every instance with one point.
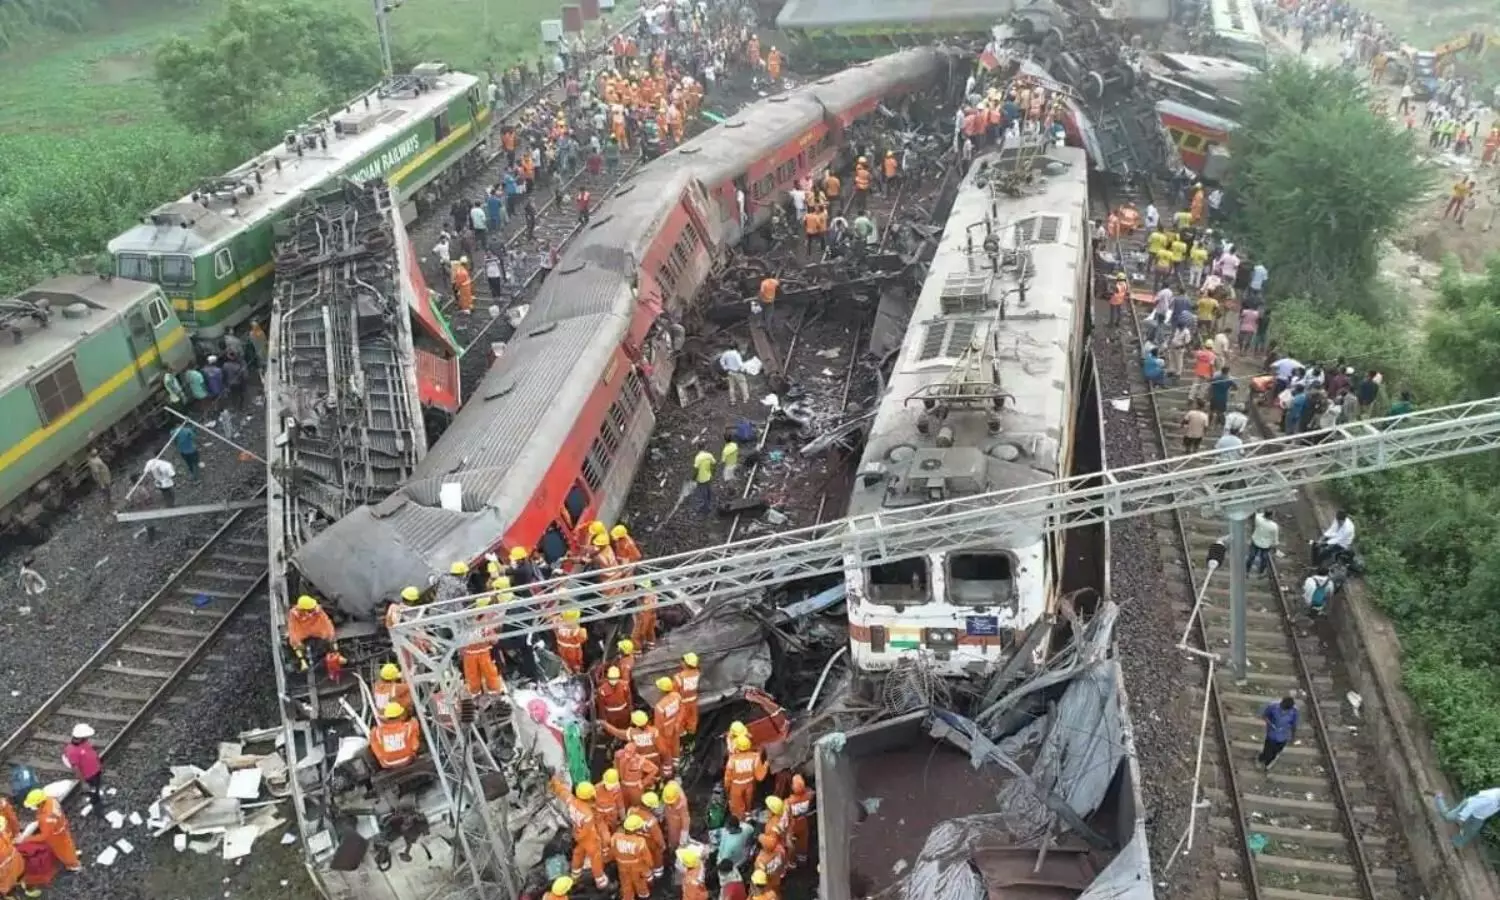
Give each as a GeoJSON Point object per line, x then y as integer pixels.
{"type": "Point", "coordinates": [627, 646]}
{"type": "Point", "coordinates": [394, 711]}
{"type": "Point", "coordinates": [688, 856]}
{"type": "Point", "coordinates": [517, 554]}
{"type": "Point", "coordinates": [410, 594]}
{"type": "Point", "coordinates": [664, 685]}
{"type": "Point", "coordinates": [618, 532]}
{"type": "Point", "coordinates": [390, 672]}
{"type": "Point", "coordinates": [672, 792]}
{"type": "Point", "coordinates": [571, 615]}
{"type": "Point", "coordinates": [690, 660]}
{"type": "Point", "coordinates": [638, 718]}
{"type": "Point", "coordinates": [613, 674]}
{"type": "Point", "coordinates": [634, 823]}
{"type": "Point", "coordinates": [774, 804]}
{"type": "Point", "coordinates": [650, 800]}
{"type": "Point", "coordinates": [601, 540]}
{"type": "Point", "coordinates": [35, 798]}
{"type": "Point", "coordinates": [306, 603]}
{"type": "Point", "coordinates": [759, 878]}
{"type": "Point", "coordinates": [483, 600]}
{"type": "Point", "coordinates": [561, 885]}
{"type": "Point", "coordinates": [611, 777]}
{"type": "Point", "coordinates": [459, 568]}
{"type": "Point", "coordinates": [501, 582]}
{"type": "Point", "coordinates": [597, 527]}
{"type": "Point", "coordinates": [584, 791]}
{"type": "Point", "coordinates": [742, 742]}
{"type": "Point", "coordinates": [738, 728]}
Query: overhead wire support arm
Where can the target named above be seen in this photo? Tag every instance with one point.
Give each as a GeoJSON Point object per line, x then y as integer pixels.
{"type": "Point", "coordinates": [1266, 474]}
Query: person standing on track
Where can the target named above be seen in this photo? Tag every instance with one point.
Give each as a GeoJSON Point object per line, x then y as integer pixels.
{"type": "Point", "coordinates": [83, 759]}
{"type": "Point", "coordinates": [1281, 729]}
{"type": "Point", "coordinates": [185, 438]}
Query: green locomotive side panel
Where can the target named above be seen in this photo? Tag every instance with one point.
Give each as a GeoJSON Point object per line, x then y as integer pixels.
{"type": "Point", "coordinates": [79, 389]}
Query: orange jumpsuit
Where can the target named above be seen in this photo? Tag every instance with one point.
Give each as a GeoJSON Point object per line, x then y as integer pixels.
{"type": "Point", "coordinates": [678, 819]}
{"type": "Point", "coordinates": [609, 803]}
{"type": "Point", "coordinates": [656, 840]}
{"type": "Point", "coordinates": [395, 742]}
{"type": "Point", "coordinates": [687, 687]}
{"type": "Point", "coordinates": [9, 820]}
{"type": "Point", "coordinates": [633, 856]}
{"type": "Point", "coordinates": [627, 551]}
{"type": "Point", "coordinates": [693, 885]}
{"type": "Point", "coordinates": [588, 833]}
{"type": "Point", "coordinates": [643, 623]}
{"type": "Point", "coordinates": [480, 674]}
{"type": "Point", "coordinates": [773, 64]}
{"type": "Point", "coordinates": [668, 721]}
{"type": "Point", "coordinates": [12, 865]}
{"type": "Point", "coordinates": [772, 860]}
{"type": "Point", "coordinates": [304, 625]}
{"type": "Point", "coordinates": [614, 702]}
{"type": "Point", "coordinates": [800, 805]}
{"type": "Point", "coordinates": [570, 641]}
{"type": "Point", "coordinates": [646, 740]}
{"type": "Point", "coordinates": [637, 773]}
{"type": "Point", "coordinates": [388, 692]}
{"type": "Point", "coordinates": [463, 286]}
{"type": "Point", "coordinates": [741, 773]}
{"type": "Point", "coordinates": [1196, 206]}
{"type": "Point", "coordinates": [52, 830]}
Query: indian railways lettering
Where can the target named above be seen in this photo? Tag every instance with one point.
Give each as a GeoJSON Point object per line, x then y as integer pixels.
{"type": "Point", "coordinates": [387, 160]}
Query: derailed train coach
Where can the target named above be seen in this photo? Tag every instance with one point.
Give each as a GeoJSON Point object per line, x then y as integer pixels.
{"type": "Point", "coordinates": [555, 432]}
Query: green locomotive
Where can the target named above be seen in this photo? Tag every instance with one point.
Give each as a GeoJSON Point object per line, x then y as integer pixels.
{"type": "Point", "coordinates": [211, 251]}
{"type": "Point", "coordinates": [82, 368]}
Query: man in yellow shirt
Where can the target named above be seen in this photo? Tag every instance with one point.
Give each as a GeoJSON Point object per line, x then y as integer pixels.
{"type": "Point", "coordinates": [1197, 262]}
{"type": "Point", "coordinates": [1182, 219]}
{"type": "Point", "coordinates": [1157, 241]}
{"type": "Point", "coordinates": [703, 479]}
{"type": "Point", "coordinates": [1208, 313]}
{"type": "Point", "coordinates": [1161, 266]}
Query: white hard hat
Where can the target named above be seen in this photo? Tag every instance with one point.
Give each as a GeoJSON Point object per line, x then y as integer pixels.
{"type": "Point", "coordinates": [82, 731]}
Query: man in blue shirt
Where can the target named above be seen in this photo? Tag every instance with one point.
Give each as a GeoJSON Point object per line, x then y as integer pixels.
{"type": "Point", "coordinates": [186, 440]}
{"type": "Point", "coordinates": [1155, 369]}
{"type": "Point", "coordinates": [1219, 389]}
{"type": "Point", "coordinates": [1281, 729]}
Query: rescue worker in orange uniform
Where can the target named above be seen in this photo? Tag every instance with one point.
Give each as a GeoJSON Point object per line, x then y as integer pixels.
{"type": "Point", "coordinates": [745, 768]}
{"type": "Point", "coordinates": [1130, 219]}
{"type": "Point", "coordinates": [891, 169]}
{"type": "Point", "coordinates": [12, 864]}
{"type": "Point", "coordinates": [397, 740]}
{"type": "Point", "coordinates": [626, 550]}
{"type": "Point", "coordinates": [642, 735]}
{"type": "Point", "coordinates": [570, 638]}
{"type": "Point", "coordinates": [626, 662]}
{"type": "Point", "coordinates": [686, 682]}
{"type": "Point", "coordinates": [861, 185]}
{"type": "Point", "coordinates": [584, 533]}
{"type": "Point", "coordinates": [480, 674]}
{"type": "Point", "coordinates": [306, 622]}
{"type": "Point", "coordinates": [391, 689]}
{"type": "Point", "coordinates": [678, 817]}
{"type": "Point", "coordinates": [643, 622]}
{"type": "Point", "coordinates": [463, 285]}
{"type": "Point", "coordinates": [831, 185]}
{"type": "Point", "coordinates": [778, 820]}
{"type": "Point", "coordinates": [667, 717]}
{"type": "Point", "coordinates": [589, 834]}
{"type": "Point", "coordinates": [10, 823]}
{"type": "Point", "coordinates": [761, 883]}
{"type": "Point", "coordinates": [633, 857]}
{"type": "Point", "coordinates": [694, 885]}
{"type": "Point", "coordinates": [1197, 206]}
{"type": "Point", "coordinates": [637, 773]}
{"type": "Point", "coordinates": [52, 828]}
{"type": "Point", "coordinates": [609, 799]}
{"type": "Point", "coordinates": [613, 699]}
{"type": "Point", "coordinates": [656, 839]}
{"type": "Point", "coordinates": [561, 886]}
{"type": "Point", "coordinates": [409, 597]}
{"type": "Point", "coordinates": [799, 803]}
{"type": "Point", "coordinates": [773, 64]}
{"type": "Point", "coordinates": [772, 860]}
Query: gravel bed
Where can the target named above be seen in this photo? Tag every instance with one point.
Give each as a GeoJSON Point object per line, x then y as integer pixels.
{"type": "Point", "coordinates": [1166, 729]}
{"type": "Point", "coordinates": [99, 571]}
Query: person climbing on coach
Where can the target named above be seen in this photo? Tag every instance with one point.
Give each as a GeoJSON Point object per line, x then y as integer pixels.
{"type": "Point", "coordinates": [308, 627]}
{"type": "Point", "coordinates": [397, 740]}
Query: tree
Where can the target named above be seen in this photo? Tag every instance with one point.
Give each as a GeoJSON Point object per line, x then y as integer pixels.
{"type": "Point", "coordinates": [261, 65]}
{"type": "Point", "coordinates": [1320, 182]}
{"type": "Point", "coordinates": [1465, 331]}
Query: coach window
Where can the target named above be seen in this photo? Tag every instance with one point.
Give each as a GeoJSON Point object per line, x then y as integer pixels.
{"type": "Point", "coordinates": [176, 270]}
{"type": "Point", "coordinates": [134, 265]}
{"type": "Point", "coordinates": [157, 310]}
{"type": "Point", "coordinates": [981, 579]}
{"type": "Point", "coordinates": [554, 544]}
{"type": "Point", "coordinates": [440, 125]}
{"type": "Point", "coordinates": [900, 583]}
{"type": "Point", "coordinates": [223, 264]}
{"type": "Point", "coordinates": [576, 502]}
{"type": "Point", "coordinates": [764, 187]}
{"type": "Point", "coordinates": [57, 392]}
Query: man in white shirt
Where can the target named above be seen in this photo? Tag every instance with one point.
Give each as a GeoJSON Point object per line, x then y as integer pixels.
{"type": "Point", "coordinates": [1235, 422]}
{"type": "Point", "coordinates": [1230, 445]}
{"type": "Point", "coordinates": [1153, 217]}
{"type": "Point", "coordinates": [1265, 534]}
{"type": "Point", "coordinates": [1337, 538]}
{"type": "Point", "coordinates": [1317, 589]}
{"type": "Point", "coordinates": [164, 477]}
{"type": "Point", "coordinates": [733, 365]}
{"type": "Point", "coordinates": [1470, 814]}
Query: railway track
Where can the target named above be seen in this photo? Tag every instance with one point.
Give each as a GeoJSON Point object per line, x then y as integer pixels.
{"type": "Point", "coordinates": [1310, 828]}
{"type": "Point", "coordinates": [117, 690]}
